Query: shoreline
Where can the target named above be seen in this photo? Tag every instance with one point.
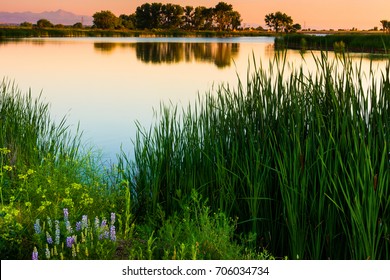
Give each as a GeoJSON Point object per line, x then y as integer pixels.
{"type": "Point", "coordinates": [373, 42]}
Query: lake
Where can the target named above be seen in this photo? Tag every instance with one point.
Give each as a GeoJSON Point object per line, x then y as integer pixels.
{"type": "Point", "coordinates": [108, 84]}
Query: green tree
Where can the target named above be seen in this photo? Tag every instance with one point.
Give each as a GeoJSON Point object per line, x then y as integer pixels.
{"type": "Point", "coordinates": [78, 25]}
{"type": "Point", "coordinates": [148, 16]}
{"type": "Point", "coordinates": [279, 21]}
{"type": "Point", "coordinates": [203, 18]}
{"type": "Point", "coordinates": [105, 20]}
{"type": "Point", "coordinates": [222, 15]}
{"type": "Point", "coordinates": [385, 25]}
{"type": "Point", "coordinates": [188, 17]}
{"type": "Point", "coordinates": [128, 21]}
{"type": "Point", "coordinates": [171, 16]}
{"type": "Point", "coordinates": [44, 23]}
{"type": "Point", "coordinates": [26, 24]}
{"type": "Point", "coordinates": [225, 18]}
{"type": "Point", "coordinates": [235, 20]}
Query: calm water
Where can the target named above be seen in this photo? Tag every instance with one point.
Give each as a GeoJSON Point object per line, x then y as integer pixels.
{"type": "Point", "coordinates": [107, 84]}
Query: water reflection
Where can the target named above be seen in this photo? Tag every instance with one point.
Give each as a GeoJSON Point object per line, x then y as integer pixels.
{"type": "Point", "coordinates": [221, 54]}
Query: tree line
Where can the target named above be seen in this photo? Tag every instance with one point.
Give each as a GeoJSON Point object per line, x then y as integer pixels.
{"type": "Point", "coordinates": [222, 17]}
{"type": "Point", "coordinates": [155, 15]}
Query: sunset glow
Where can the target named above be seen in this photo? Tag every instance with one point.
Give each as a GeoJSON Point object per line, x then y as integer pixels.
{"type": "Point", "coordinates": [331, 14]}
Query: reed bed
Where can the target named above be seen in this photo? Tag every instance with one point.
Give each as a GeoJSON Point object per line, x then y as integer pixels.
{"type": "Point", "coordinates": [350, 42]}
{"type": "Point", "coordinates": [300, 159]}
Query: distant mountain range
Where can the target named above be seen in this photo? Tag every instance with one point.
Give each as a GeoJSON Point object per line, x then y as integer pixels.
{"type": "Point", "coordinates": [55, 17]}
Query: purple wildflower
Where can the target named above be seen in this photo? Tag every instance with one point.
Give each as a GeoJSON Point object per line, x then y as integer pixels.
{"type": "Point", "coordinates": [69, 241]}
{"type": "Point", "coordinates": [48, 238]}
{"type": "Point", "coordinates": [37, 227]}
{"type": "Point", "coordinates": [66, 214]}
{"type": "Point", "coordinates": [84, 222]}
{"type": "Point", "coordinates": [112, 233]}
{"type": "Point", "coordinates": [112, 218]}
{"type": "Point", "coordinates": [104, 230]}
{"type": "Point", "coordinates": [35, 254]}
{"type": "Point", "coordinates": [104, 223]}
{"type": "Point", "coordinates": [78, 226]}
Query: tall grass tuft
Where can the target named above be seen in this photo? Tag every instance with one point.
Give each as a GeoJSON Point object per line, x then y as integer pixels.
{"type": "Point", "coordinates": [300, 159]}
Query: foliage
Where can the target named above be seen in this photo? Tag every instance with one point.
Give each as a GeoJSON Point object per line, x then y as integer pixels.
{"type": "Point", "coordinates": [385, 25]}
{"type": "Point", "coordinates": [281, 22]}
{"type": "Point", "coordinates": [26, 24]}
{"type": "Point", "coordinates": [370, 43]}
{"type": "Point", "coordinates": [193, 233]}
{"type": "Point", "coordinates": [301, 159]}
{"type": "Point", "coordinates": [44, 23]}
{"type": "Point", "coordinates": [77, 25]}
{"type": "Point", "coordinates": [85, 239]}
{"type": "Point", "coordinates": [105, 20]}
{"type": "Point", "coordinates": [128, 21]}
{"type": "Point", "coordinates": [168, 16]}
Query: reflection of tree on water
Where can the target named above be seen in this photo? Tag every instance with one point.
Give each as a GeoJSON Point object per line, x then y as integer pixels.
{"type": "Point", "coordinates": [221, 54]}
{"type": "Point", "coordinates": [107, 47]}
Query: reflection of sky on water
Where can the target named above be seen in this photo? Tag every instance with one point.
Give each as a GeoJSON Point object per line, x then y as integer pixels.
{"type": "Point", "coordinates": [107, 84]}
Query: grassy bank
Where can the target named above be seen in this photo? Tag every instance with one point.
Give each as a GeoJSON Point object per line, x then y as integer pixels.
{"type": "Point", "coordinates": [295, 164]}
{"type": "Point", "coordinates": [20, 32]}
{"type": "Point", "coordinates": [343, 42]}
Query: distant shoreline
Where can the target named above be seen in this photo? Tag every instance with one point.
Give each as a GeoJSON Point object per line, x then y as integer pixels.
{"type": "Point", "coordinates": [26, 32]}
{"type": "Point", "coordinates": [350, 41]}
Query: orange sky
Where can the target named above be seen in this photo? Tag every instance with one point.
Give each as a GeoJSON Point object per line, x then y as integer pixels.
{"type": "Point", "coordinates": [324, 14]}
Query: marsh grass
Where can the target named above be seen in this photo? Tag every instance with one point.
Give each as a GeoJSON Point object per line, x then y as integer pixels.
{"type": "Point", "coordinates": [350, 42]}
{"type": "Point", "coordinates": [300, 159]}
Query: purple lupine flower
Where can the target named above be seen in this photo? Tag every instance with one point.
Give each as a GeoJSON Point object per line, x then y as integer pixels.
{"type": "Point", "coordinates": [48, 238]}
{"type": "Point", "coordinates": [84, 222]}
{"type": "Point", "coordinates": [78, 226]}
{"type": "Point", "coordinates": [112, 218]}
{"type": "Point", "coordinates": [104, 230]}
{"type": "Point", "coordinates": [66, 214]}
{"type": "Point", "coordinates": [37, 227]}
{"type": "Point", "coordinates": [112, 233]}
{"type": "Point", "coordinates": [69, 241]}
{"type": "Point", "coordinates": [57, 232]}
{"type": "Point", "coordinates": [104, 223]}
{"type": "Point", "coordinates": [35, 254]}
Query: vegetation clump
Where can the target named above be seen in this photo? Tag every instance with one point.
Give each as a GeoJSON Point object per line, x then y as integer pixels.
{"type": "Point", "coordinates": [302, 162]}
{"type": "Point", "coordinates": [346, 42]}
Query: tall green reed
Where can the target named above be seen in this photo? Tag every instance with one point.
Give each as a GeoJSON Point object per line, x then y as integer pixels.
{"type": "Point", "coordinates": [300, 158]}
